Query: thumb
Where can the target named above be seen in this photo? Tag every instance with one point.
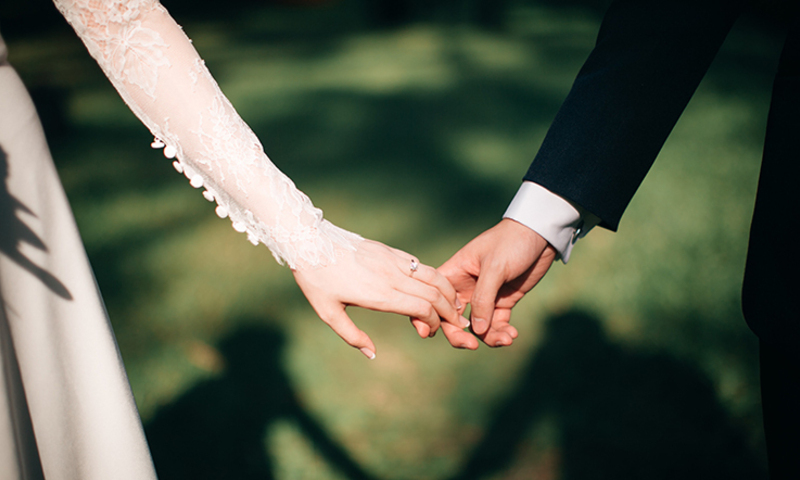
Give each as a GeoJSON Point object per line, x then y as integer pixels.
{"type": "Point", "coordinates": [423, 329]}
{"type": "Point", "coordinates": [483, 299]}
{"type": "Point", "coordinates": [341, 323]}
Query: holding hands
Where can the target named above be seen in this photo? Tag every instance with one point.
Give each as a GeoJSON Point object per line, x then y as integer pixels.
{"type": "Point", "coordinates": [492, 273]}
{"type": "Point", "coordinates": [378, 277]}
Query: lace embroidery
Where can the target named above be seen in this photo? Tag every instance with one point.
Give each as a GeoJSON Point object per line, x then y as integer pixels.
{"type": "Point", "coordinates": [112, 30]}
{"type": "Point", "coordinates": [157, 72]}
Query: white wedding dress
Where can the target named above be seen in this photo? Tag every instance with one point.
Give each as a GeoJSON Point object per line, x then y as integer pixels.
{"type": "Point", "coordinates": [66, 409]}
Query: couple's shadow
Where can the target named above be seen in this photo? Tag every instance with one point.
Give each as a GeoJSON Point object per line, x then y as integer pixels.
{"type": "Point", "coordinates": [216, 430]}
{"type": "Point", "coordinates": [618, 413]}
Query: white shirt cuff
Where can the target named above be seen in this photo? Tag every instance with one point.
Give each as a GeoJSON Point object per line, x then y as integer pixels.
{"type": "Point", "coordinates": [556, 219]}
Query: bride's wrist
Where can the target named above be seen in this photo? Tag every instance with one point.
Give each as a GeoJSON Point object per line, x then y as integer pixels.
{"type": "Point", "coordinates": [319, 246]}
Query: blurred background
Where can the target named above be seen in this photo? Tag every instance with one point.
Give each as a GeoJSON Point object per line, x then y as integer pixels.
{"type": "Point", "coordinates": [412, 122]}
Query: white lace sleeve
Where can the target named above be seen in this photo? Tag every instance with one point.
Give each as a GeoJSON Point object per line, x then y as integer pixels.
{"type": "Point", "coordinates": [158, 73]}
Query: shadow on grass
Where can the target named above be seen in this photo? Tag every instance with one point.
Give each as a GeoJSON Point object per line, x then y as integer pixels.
{"type": "Point", "coordinates": [216, 429]}
{"type": "Point", "coordinates": [620, 413]}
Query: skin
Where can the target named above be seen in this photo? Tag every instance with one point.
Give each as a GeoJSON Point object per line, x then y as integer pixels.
{"type": "Point", "coordinates": [378, 277]}
{"type": "Point", "coordinates": [492, 273]}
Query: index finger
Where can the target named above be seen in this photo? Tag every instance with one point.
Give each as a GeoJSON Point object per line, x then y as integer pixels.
{"type": "Point", "coordinates": [341, 323]}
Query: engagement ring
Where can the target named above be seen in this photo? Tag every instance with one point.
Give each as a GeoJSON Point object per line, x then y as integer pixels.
{"type": "Point", "coordinates": [414, 265]}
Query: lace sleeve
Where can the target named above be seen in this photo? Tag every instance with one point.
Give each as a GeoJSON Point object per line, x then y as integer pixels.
{"type": "Point", "coordinates": [158, 73]}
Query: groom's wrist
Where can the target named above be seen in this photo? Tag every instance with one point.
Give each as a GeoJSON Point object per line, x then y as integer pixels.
{"type": "Point", "coordinates": [556, 219]}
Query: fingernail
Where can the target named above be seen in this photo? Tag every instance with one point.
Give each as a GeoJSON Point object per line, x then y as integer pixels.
{"type": "Point", "coordinates": [458, 304]}
{"type": "Point", "coordinates": [369, 353]}
{"type": "Point", "coordinates": [464, 322]}
{"type": "Point", "coordinates": [479, 324]}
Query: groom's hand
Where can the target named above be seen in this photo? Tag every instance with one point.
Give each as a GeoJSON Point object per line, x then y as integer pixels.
{"type": "Point", "coordinates": [492, 273]}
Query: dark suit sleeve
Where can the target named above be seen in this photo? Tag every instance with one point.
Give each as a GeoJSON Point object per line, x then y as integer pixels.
{"type": "Point", "coordinates": [771, 281]}
{"type": "Point", "coordinates": [649, 58]}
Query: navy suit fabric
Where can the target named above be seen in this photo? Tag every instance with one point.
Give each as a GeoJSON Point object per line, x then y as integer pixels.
{"type": "Point", "coordinates": [771, 278]}
{"type": "Point", "coordinates": [649, 59]}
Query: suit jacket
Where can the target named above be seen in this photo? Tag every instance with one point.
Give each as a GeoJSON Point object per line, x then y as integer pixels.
{"type": "Point", "coordinates": [771, 275]}
{"type": "Point", "coordinates": [649, 58]}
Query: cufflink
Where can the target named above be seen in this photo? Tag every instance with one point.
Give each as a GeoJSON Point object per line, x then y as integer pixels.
{"type": "Point", "coordinates": [577, 233]}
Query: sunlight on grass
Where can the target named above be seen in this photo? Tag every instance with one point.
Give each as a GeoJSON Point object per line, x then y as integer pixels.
{"type": "Point", "coordinates": [493, 155]}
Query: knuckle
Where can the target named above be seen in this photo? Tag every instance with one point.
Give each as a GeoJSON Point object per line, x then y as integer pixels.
{"type": "Point", "coordinates": [328, 319]}
{"type": "Point", "coordinates": [430, 272]}
{"type": "Point", "coordinates": [431, 295]}
{"type": "Point", "coordinates": [480, 303]}
{"type": "Point", "coordinates": [427, 312]}
{"type": "Point", "coordinates": [353, 337]}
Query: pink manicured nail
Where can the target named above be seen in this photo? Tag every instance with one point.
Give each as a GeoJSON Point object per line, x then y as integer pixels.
{"type": "Point", "coordinates": [368, 353]}
{"type": "Point", "coordinates": [464, 323]}
{"type": "Point", "coordinates": [458, 304]}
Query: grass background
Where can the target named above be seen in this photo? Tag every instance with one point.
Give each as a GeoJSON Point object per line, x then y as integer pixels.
{"type": "Point", "coordinates": [412, 123]}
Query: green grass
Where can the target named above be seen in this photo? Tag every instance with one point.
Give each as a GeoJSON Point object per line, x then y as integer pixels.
{"type": "Point", "coordinates": [418, 136]}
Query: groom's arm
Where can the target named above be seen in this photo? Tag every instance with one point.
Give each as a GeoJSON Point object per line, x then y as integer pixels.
{"type": "Point", "coordinates": [649, 58]}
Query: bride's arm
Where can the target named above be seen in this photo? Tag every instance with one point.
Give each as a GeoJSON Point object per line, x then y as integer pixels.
{"type": "Point", "coordinates": [156, 70]}
{"type": "Point", "coordinates": [158, 73]}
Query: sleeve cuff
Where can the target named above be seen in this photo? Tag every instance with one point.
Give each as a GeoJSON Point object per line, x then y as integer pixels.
{"type": "Point", "coordinates": [556, 219]}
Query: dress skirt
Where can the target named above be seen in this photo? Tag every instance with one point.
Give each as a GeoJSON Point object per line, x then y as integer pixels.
{"type": "Point", "coordinates": [66, 408]}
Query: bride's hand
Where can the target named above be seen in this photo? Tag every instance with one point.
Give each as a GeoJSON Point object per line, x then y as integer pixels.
{"type": "Point", "coordinates": [380, 278]}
